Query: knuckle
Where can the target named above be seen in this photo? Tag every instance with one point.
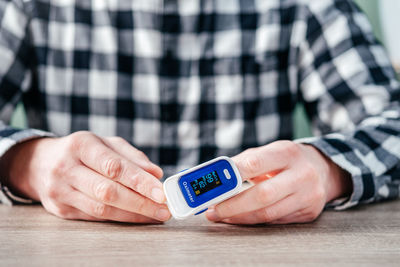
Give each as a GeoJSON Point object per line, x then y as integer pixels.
{"type": "Point", "coordinates": [141, 206]}
{"type": "Point", "coordinates": [253, 163]}
{"type": "Point", "coordinates": [52, 190]}
{"type": "Point", "coordinates": [61, 212]}
{"type": "Point", "coordinates": [59, 169]}
{"type": "Point", "coordinates": [263, 194]}
{"type": "Point", "coordinates": [77, 140]}
{"type": "Point", "coordinates": [301, 213]}
{"type": "Point", "coordinates": [309, 171]}
{"type": "Point", "coordinates": [269, 214]}
{"type": "Point", "coordinates": [99, 210]}
{"type": "Point", "coordinates": [52, 193]}
{"type": "Point", "coordinates": [118, 140]}
{"type": "Point", "coordinates": [138, 182]}
{"type": "Point", "coordinates": [105, 192]}
{"type": "Point", "coordinates": [113, 168]}
{"type": "Point", "coordinates": [290, 149]}
{"type": "Point", "coordinates": [79, 134]}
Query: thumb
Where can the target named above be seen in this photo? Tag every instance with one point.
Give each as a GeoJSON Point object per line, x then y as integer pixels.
{"type": "Point", "coordinates": [261, 162]}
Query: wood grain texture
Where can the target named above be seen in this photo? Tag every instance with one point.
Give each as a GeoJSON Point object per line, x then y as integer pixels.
{"type": "Point", "coordinates": [368, 235]}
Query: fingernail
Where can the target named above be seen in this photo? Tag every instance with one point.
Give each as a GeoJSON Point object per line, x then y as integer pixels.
{"type": "Point", "coordinates": [157, 195]}
{"type": "Point", "coordinates": [212, 215]}
{"type": "Point", "coordinates": [162, 214]}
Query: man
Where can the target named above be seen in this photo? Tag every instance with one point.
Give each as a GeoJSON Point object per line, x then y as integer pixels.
{"type": "Point", "coordinates": [181, 82]}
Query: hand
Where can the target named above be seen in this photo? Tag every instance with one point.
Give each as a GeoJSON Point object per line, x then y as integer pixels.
{"type": "Point", "coordinates": [83, 176]}
{"type": "Point", "coordinates": [293, 182]}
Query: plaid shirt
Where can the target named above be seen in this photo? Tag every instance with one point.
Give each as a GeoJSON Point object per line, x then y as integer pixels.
{"type": "Point", "coordinates": [186, 81]}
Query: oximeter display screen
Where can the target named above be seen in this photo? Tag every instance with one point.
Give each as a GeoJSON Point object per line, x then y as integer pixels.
{"type": "Point", "coordinates": [205, 183]}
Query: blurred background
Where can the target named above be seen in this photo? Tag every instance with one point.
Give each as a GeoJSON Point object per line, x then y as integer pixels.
{"type": "Point", "coordinates": [385, 19]}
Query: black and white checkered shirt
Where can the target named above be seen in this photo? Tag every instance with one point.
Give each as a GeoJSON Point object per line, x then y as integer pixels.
{"type": "Point", "coordinates": [186, 81]}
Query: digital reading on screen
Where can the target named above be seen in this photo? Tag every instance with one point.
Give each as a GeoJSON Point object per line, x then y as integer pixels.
{"type": "Point", "coordinates": [205, 183]}
{"type": "Point", "coordinates": [192, 191]}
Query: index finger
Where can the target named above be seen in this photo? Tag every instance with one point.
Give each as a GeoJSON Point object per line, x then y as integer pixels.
{"type": "Point", "coordinates": [259, 196]}
{"type": "Point", "coordinates": [131, 153]}
{"type": "Point", "coordinates": [269, 159]}
{"type": "Point", "coordinates": [102, 159]}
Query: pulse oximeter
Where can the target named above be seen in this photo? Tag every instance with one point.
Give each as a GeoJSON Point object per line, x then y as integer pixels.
{"type": "Point", "coordinates": [193, 190]}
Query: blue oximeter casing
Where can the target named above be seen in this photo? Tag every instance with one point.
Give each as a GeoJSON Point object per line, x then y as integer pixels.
{"type": "Point", "coordinates": [194, 190]}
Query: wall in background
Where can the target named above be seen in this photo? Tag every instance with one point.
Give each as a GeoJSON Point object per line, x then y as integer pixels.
{"type": "Point", "coordinates": [390, 22]}
{"type": "Point", "coordinates": [19, 119]}
{"type": "Point", "coordinates": [371, 8]}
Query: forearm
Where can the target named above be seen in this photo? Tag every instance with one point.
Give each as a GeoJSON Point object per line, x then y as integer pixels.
{"type": "Point", "coordinates": [370, 154]}
{"type": "Point", "coordinates": [12, 144]}
{"type": "Point", "coordinates": [352, 100]}
{"type": "Point", "coordinates": [14, 167]}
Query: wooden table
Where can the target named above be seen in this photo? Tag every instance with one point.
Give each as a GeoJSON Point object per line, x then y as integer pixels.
{"type": "Point", "coordinates": [369, 235]}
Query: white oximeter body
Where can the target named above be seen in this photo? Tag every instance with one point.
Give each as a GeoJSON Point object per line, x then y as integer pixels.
{"type": "Point", "coordinates": [192, 191]}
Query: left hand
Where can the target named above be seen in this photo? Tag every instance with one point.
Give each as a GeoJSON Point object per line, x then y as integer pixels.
{"type": "Point", "coordinates": [293, 182]}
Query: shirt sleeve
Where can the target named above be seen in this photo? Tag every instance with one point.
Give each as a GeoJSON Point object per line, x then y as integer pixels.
{"type": "Point", "coordinates": [15, 80]}
{"type": "Point", "coordinates": [351, 94]}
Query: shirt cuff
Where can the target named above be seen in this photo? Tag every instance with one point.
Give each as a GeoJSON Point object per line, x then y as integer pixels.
{"type": "Point", "coordinates": [343, 160]}
{"type": "Point", "coordinates": [15, 137]}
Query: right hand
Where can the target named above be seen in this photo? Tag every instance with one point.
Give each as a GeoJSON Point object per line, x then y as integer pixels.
{"type": "Point", "coordinates": [86, 177]}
